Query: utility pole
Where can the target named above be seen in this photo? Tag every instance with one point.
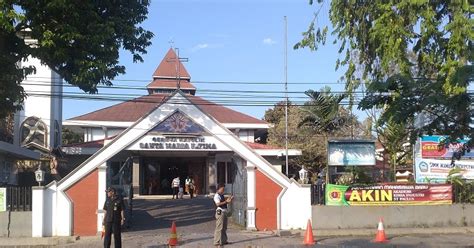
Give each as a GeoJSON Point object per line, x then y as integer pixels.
{"type": "Point", "coordinates": [177, 66]}
{"type": "Point", "coordinates": [286, 95]}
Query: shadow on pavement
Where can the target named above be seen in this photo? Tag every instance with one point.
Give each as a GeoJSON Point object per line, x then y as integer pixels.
{"type": "Point", "coordinates": [157, 214]}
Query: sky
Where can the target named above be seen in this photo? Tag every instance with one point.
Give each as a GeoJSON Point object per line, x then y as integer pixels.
{"type": "Point", "coordinates": [230, 41]}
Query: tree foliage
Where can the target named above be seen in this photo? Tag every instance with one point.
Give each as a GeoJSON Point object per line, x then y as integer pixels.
{"type": "Point", "coordinates": [375, 36]}
{"type": "Point", "coordinates": [310, 125]}
{"type": "Point", "coordinates": [80, 40]}
{"type": "Point", "coordinates": [71, 137]}
{"type": "Point", "coordinates": [321, 113]}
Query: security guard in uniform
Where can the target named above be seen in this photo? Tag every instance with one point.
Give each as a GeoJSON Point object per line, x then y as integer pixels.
{"type": "Point", "coordinates": [113, 218]}
{"type": "Point", "coordinates": [220, 233]}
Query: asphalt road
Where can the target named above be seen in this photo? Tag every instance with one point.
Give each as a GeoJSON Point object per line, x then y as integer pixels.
{"type": "Point", "coordinates": [195, 222]}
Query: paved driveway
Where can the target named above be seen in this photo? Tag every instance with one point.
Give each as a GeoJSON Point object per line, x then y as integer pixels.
{"type": "Point", "coordinates": [156, 215]}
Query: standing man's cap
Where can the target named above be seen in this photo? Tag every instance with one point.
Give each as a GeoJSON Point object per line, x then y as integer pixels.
{"type": "Point", "coordinates": [110, 189]}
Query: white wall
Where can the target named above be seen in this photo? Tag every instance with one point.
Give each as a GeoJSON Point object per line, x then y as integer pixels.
{"type": "Point", "coordinates": [246, 135]}
{"type": "Point", "coordinates": [52, 212]}
{"type": "Point", "coordinates": [99, 133]}
{"type": "Point", "coordinates": [296, 205]}
{"type": "Point", "coordinates": [43, 83]}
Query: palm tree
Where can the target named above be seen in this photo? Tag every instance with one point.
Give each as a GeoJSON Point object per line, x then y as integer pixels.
{"type": "Point", "coordinates": [323, 114]}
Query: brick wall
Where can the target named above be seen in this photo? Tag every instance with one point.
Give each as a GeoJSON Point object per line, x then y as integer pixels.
{"type": "Point", "coordinates": [267, 192]}
{"type": "Point", "coordinates": [84, 197]}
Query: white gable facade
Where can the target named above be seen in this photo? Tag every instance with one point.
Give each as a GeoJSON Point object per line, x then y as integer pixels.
{"type": "Point", "coordinates": [56, 205]}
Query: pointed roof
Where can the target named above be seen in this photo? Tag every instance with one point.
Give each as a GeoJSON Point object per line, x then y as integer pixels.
{"type": "Point", "coordinates": [165, 76]}
{"type": "Point", "coordinates": [133, 110]}
{"type": "Point", "coordinates": [167, 67]}
{"type": "Point", "coordinates": [170, 84]}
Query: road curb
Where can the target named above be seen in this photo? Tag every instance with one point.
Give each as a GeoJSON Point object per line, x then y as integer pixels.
{"type": "Point", "coordinates": [370, 232]}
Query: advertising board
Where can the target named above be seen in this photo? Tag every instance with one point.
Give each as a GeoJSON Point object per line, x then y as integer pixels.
{"type": "Point", "coordinates": [351, 153]}
{"type": "Point", "coordinates": [389, 194]}
{"type": "Point", "coordinates": [436, 170]}
{"type": "Point", "coordinates": [431, 148]}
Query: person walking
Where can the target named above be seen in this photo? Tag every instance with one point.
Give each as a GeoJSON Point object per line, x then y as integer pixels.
{"type": "Point", "coordinates": [113, 218]}
{"type": "Point", "coordinates": [175, 186]}
{"type": "Point", "coordinates": [220, 233]}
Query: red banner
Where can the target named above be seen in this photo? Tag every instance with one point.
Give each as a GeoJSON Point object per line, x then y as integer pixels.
{"type": "Point", "coordinates": [393, 194]}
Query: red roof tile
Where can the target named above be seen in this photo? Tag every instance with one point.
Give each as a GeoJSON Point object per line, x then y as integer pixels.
{"type": "Point", "coordinates": [223, 114]}
{"type": "Point", "coordinates": [131, 111]}
{"type": "Point", "coordinates": [90, 144]}
{"type": "Point", "coordinates": [258, 146]}
{"type": "Point", "coordinates": [170, 84]}
{"type": "Point", "coordinates": [167, 67]}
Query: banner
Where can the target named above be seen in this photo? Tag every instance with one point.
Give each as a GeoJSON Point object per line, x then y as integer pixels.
{"type": "Point", "coordinates": [436, 170]}
{"type": "Point", "coordinates": [430, 147]}
{"type": "Point", "coordinates": [3, 199]}
{"type": "Point", "coordinates": [389, 194]}
{"type": "Point", "coordinates": [352, 153]}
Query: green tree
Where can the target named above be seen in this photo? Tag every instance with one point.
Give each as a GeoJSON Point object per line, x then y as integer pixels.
{"type": "Point", "coordinates": [80, 40]}
{"type": "Point", "coordinates": [71, 137]}
{"type": "Point", "coordinates": [322, 112]}
{"type": "Point", "coordinates": [375, 36]}
{"type": "Point", "coordinates": [323, 116]}
{"type": "Point", "coordinates": [303, 136]}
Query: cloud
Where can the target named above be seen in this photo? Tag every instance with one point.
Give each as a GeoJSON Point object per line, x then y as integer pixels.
{"type": "Point", "coordinates": [199, 47]}
{"type": "Point", "coordinates": [268, 41]}
{"type": "Point", "coordinates": [205, 46]}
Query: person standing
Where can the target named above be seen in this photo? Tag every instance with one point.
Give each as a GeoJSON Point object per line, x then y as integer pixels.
{"type": "Point", "coordinates": [175, 186]}
{"type": "Point", "coordinates": [190, 186]}
{"type": "Point", "coordinates": [220, 233]}
{"type": "Point", "coordinates": [113, 218]}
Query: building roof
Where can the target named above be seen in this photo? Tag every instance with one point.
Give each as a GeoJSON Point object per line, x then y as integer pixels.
{"type": "Point", "coordinates": [168, 67]}
{"type": "Point", "coordinates": [17, 152]}
{"type": "Point", "coordinates": [261, 146]}
{"type": "Point", "coordinates": [163, 85]}
{"type": "Point", "coordinates": [89, 144]}
{"type": "Point", "coordinates": [170, 84]}
{"type": "Point", "coordinates": [131, 111]}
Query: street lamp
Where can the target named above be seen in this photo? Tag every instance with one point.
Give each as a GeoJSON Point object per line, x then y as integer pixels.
{"type": "Point", "coordinates": [39, 175]}
{"type": "Point", "coordinates": [303, 175]}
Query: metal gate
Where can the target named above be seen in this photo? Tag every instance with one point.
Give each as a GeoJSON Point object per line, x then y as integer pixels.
{"type": "Point", "coordinates": [239, 190]}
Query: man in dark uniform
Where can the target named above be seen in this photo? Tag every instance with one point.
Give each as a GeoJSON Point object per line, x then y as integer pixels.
{"type": "Point", "coordinates": [113, 218]}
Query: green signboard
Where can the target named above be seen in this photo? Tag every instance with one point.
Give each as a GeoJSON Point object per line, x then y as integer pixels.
{"type": "Point", "coordinates": [3, 199]}
{"type": "Point", "coordinates": [335, 195]}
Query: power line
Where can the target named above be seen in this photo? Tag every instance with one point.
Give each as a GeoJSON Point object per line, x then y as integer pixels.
{"type": "Point", "coordinates": [128, 87]}
{"type": "Point", "coordinates": [217, 82]}
{"type": "Point", "coordinates": [193, 102]}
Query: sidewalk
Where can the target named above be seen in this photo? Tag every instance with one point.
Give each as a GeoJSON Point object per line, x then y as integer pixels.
{"type": "Point", "coordinates": [247, 239]}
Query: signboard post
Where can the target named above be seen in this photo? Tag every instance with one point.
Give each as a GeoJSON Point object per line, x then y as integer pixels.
{"type": "Point", "coordinates": [350, 153]}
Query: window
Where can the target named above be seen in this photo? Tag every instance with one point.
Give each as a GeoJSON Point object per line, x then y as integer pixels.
{"type": "Point", "coordinates": [225, 172]}
{"type": "Point", "coordinates": [33, 130]}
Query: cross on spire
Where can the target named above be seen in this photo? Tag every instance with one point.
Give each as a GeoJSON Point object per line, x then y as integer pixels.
{"type": "Point", "coordinates": [176, 60]}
